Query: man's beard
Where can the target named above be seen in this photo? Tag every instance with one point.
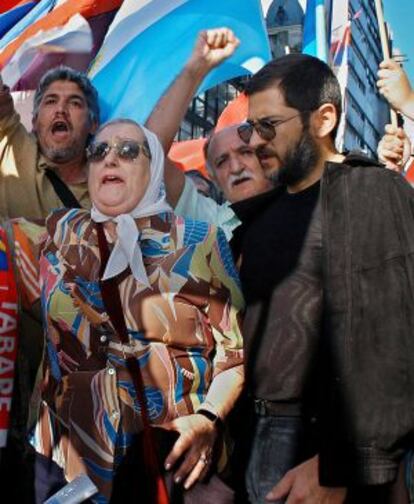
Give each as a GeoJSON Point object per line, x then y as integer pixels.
{"type": "Point", "coordinates": [62, 155]}
{"type": "Point", "coordinates": [299, 161]}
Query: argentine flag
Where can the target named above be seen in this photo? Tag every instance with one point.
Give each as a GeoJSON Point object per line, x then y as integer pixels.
{"type": "Point", "coordinates": [149, 42]}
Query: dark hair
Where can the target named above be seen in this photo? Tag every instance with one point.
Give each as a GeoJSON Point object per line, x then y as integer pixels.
{"type": "Point", "coordinates": [64, 73]}
{"type": "Point", "coordinates": [306, 83]}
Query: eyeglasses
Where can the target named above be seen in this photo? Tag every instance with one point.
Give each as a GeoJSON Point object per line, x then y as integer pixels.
{"type": "Point", "coordinates": [128, 150]}
{"type": "Point", "coordinates": [266, 128]}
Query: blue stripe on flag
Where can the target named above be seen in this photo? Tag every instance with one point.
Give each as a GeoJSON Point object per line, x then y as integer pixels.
{"type": "Point", "coordinates": [133, 81]}
{"type": "Point", "coordinates": [11, 17]}
{"type": "Point", "coordinates": [315, 31]}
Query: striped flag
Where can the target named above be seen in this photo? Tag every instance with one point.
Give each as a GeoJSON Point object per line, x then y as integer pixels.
{"type": "Point", "coordinates": [39, 53]}
{"type": "Point", "coordinates": [7, 5]}
{"type": "Point", "coordinates": [69, 34]}
{"type": "Point", "coordinates": [150, 40]}
{"type": "Point", "coordinates": [10, 17]}
{"type": "Point", "coordinates": [31, 18]}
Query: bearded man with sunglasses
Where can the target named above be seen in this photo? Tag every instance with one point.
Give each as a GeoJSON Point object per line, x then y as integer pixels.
{"type": "Point", "coordinates": [316, 330]}
{"type": "Point", "coordinates": [329, 320]}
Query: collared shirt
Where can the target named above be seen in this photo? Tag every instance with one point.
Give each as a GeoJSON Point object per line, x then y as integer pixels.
{"type": "Point", "coordinates": [197, 206]}
{"type": "Point", "coordinates": [184, 330]}
{"type": "Point", "coordinates": [25, 190]}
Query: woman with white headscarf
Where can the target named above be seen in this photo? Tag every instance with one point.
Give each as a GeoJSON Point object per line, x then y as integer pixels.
{"type": "Point", "coordinates": [180, 304]}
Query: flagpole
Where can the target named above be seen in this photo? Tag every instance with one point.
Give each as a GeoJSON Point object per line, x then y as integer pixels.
{"type": "Point", "coordinates": [385, 48]}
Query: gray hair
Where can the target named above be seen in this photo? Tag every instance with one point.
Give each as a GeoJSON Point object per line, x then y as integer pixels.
{"type": "Point", "coordinates": [120, 120]}
{"type": "Point", "coordinates": [64, 73]}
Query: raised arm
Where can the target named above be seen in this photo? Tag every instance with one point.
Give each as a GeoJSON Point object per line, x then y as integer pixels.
{"type": "Point", "coordinates": [212, 47]}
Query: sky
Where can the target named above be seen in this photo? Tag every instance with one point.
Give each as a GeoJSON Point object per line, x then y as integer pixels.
{"type": "Point", "coordinates": [400, 16]}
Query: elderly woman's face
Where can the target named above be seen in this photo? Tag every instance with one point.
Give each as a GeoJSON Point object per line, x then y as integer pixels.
{"type": "Point", "coordinates": [117, 183]}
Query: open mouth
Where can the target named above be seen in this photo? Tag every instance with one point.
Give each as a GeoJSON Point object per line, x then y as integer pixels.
{"type": "Point", "coordinates": [60, 127]}
{"type": "Point", "coordinates": [111, 179]}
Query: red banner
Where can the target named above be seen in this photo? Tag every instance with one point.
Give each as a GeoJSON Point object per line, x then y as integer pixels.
{"type": "Point", "coordinates": [8, 335]}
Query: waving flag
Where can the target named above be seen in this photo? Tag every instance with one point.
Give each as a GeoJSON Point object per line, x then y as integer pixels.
{"type": "Point", "coordinates": [31, 18]}
{"type": "Point", "coordinates": [69, 34]}
{"type": "Point", "coordinates": [7, 5]}
{"type": "Point", "coordinates": [150, 40]}
{"type": "Point", "coordinates": [11, 17]}
{"type": "Point", "coordinates": [75, 36]}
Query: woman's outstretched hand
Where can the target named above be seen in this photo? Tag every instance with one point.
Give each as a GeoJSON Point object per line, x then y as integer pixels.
{"type": "Point", "coordinates": [195, 444]}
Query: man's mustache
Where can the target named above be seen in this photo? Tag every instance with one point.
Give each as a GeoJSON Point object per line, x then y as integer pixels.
{"type": "Point", "coordinates": [235, 179]}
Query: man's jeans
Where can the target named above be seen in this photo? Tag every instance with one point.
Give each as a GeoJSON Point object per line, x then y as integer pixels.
{"type": "Point", "coordinates": [275, 449]}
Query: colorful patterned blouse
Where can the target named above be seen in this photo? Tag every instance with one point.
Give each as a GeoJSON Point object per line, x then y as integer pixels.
{"type": "Point", "coordinates": [184, 330]}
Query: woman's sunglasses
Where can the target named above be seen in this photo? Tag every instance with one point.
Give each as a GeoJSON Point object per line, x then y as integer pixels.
{"type": "Point", "coordinates": [128, 150]}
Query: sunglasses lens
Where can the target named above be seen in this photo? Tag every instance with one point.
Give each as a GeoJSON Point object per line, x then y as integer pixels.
{"type": "Point", "coordinates": [128, 149]}
{"type": "Point", "coordinates": [245, 132]}
{"type": "Point", "coordinates": [266, 130]}
{"type": "Point", "coordinates": [97, 151]}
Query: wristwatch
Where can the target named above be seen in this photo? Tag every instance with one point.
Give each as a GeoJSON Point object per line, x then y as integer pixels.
{"type": "Point", "coordinates": [213, 417]}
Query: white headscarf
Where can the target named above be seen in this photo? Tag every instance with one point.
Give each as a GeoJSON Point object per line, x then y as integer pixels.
{"type": "Point", "coordinates": [127, 251]}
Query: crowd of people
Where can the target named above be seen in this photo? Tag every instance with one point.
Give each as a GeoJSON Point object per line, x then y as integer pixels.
{"type": "Point", "coordinates": [178, 348]}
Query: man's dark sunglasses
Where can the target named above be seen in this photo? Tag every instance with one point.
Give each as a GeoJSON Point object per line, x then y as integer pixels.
{"type": "Point", "coordinates": [266, 128]}
{"type": "Point", "coordinates": [128, 150]}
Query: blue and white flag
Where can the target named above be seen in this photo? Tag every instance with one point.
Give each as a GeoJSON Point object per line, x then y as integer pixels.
{"type": "Point", "coordinates": [316, 28]}
{"type": "Point", "coordinates": [149, 42]}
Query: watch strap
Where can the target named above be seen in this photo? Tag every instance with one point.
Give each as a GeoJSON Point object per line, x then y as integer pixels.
{"type": "Point", "coordinates": [213, 417]}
